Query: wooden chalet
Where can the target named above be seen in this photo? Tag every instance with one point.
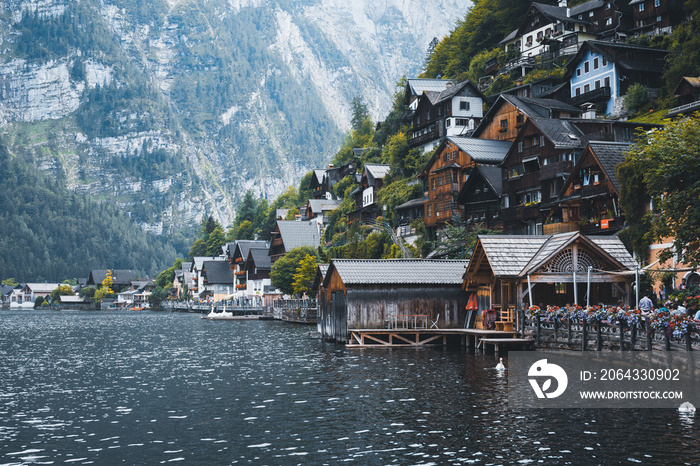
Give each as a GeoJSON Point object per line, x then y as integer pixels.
{"type": "Point", "coordinates": [415, 87]}
{"type": "Point", "coordinates": [237, 260]}
{"type": "Point", "coordinates": [319, 209]}
{"type": "Point", "coordinates": [447, 170]}
{"type": "Point", "coordinates": [316, 184]}
{"type": "Point", "coordinates": [290, 234]}
{"type": "Point", "coordinates": [453, 112]}
{"type": "Point", "coordinates": [555, 268]}
{"type": "Point", "coordinates": [653, 17]}
{"type": "Point", "coordinates": [590, 198]}
{"type": "Point", "coordinates": [687, 95]}
{"type": "Point", "coordinates": [372, 180]}
{"type": "Point", "coordinates": [335, 174]}
{"type": "Point", "coordinates": [369, 294]}
{"type": "Point", "coordinates": [480, 197]}
{"type": "Point", "coordinates": [509, 113]}
{"type": "Point", "coordinates": [534, 171]}
{"type": "Point", "coordinates": [407, 213]}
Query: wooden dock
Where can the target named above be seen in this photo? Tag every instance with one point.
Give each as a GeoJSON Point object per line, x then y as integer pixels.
{"type": "Point", "coordinates": [384, 338]}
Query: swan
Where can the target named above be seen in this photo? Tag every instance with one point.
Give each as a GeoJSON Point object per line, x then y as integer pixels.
{"type": "Point", "coordinates": [501, 367]}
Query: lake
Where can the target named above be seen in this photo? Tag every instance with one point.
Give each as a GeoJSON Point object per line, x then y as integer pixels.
{"type": "Point", "coordinates": [122, 387]}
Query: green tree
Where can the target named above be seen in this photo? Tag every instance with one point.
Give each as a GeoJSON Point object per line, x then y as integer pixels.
{"type": "Point", "coordinates": [664, 165]}
{"type": "Point", "coordinates": [62, 290]}
{"type": "Point", "coordinates": [456, 240]}
{"type": "Point", "coordinates": [246, 230]}
{"type": "Point", "coordinates": [247, 208]}
{"type": "Point", "coordinates": [156, 297]}
{"type": "Point", "coordinates": [305, 275]}
{"type": "Point", "coordinates": [636, 98]}
{"type": "Point", "coordinates": [360, 114]}
{"type": "Point", "coordinates": [215, 241]}
{"type": "Point", "coordinates": [283, 270]}
{"type": "Point", "coordinates": [10, 282]}
{"type": "Point", "coordinates": [167, 276]}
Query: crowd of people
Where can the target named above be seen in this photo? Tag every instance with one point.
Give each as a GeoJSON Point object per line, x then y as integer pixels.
{"type": "Point", "coordinates": [665, 303]}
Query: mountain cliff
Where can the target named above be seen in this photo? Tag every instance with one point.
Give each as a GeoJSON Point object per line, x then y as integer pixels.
{"type": "Point", "coordinates": [169, 109]}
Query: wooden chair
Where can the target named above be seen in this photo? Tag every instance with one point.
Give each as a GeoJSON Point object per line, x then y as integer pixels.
{"type": "Point", "coordinates": [505, 322]}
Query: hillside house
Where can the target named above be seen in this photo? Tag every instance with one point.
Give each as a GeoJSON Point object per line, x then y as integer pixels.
{"type": "Point", "coordinates": [290, 234]}
{"type": "Point", "coordinates": [654, 17]}
{"type": "Point", "coordinates": [601, 72]}
{"type": "Point", "coordinates": [372, 180]}
{"type": "Point", "coordinates": [687, 95]}
{"type": "Point", "coordinates": [453, 112]}
{"type": "Point", "coordinates": [319, 209]}
{"type": "Point", "coordinates": [534, 170]}
{"type": "Point", "coordinates": [257, 271]}
{"type": "Point", "coordinates": [480, 198]}
{"type": "Point", "coordinates": [590, 198]}
{"type": "Point", "coordinates": [556, 267]}
{"type": "Point", "coordinates": [415, 87]}
{"type": "Point", "coordinates": [316, 184]}
{"type": "Point", "coordinates": [32, 291]}
{"type": "Point", "coordinates": [509, 113]}
{"type": "Point", "coordinates": [408, 212]}
{"type": "Point", "coordinates": [367, 294]}
{"type": "Point", "coordinates": [121, 279]}
{"type": "Point", "coordinates": [447, 170]}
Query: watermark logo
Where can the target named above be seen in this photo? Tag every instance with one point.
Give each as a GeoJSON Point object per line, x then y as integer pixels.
{"type": "Point", "coordinates": [547, 372]}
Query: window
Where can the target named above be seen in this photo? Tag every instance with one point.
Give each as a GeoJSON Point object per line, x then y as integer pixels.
{"type": "Point", "coordinates": [506, 202]}
{"type": "Point", "coordinates": [578, 91]}
{"type": "Point", "coordinates": [429, 210]}
{"type": "Point", "coordinates": [627, 133]}
{"type": "Point", "coordinates": [605, 61]}
{"type": "Point", "coordinates": [658, 19]}
{"type": "Point", "coordinates": [578, 73]}
{"type": "Point", "coordinates": [504, 125]}
{"type": "Point", "coordinates": [657, 3]}
{"type": "Point", "coordinates": [586, 88]}
{"type": "Point", "coordinates": [608, 22]}
{"type": "Point", "coordinates": [432, 184]}
{"type": "Point", "coordinates": [607, 81]}
{"type": "Point", "coordinates": [597, 84]}
{"type": "Point", "coordinates": [641, 6]}
{"type": "Point", "coordinates": [463, 105]}
{"type": "Point", "coordinates": [586, 67]}
{"type": "Point", "coordinates": [461, 122]}
{"type": "Point", "coordinates": [440, 110]}
{"type": "Point", "coordinates": [520, 119]}
{"type": "Point", "coordinates": [560, 288]}
{"type": "Point", "coordinates": [590, 14]}
{"type": "Point", "coordinates": [520, 146]}
{"type": "Point", "coordinates": [534, 140]}
{"type": "Point", "coordinates": [607, 6]}
{"type": "Point", "coordinates": [541, 141]}
{"type": "Point", "coordinates": [595, 63]}
{"type": "Point", "coordinates": [448, 122]}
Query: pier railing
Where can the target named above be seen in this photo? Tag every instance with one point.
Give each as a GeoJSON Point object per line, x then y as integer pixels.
{"type": "Point", "coordinates": [622, 336]}
{"type": "Point", "coordinates": [295, 310]}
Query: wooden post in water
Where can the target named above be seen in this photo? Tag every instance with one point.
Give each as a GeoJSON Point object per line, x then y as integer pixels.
{"type": "Point", "coordinates": [622, 336]}
{"type": "Point", "coordinates": [689, 330]}
{"type": "Point", "coordinates": [537, 329]}
{"type": "Point", "coordinates": [598, 337]}
{"type": "Point", "coordinates": [633, 336]}
{"type": "Point", "coordinates": [584, 334]}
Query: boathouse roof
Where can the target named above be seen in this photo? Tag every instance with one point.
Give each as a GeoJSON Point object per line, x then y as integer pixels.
{"type": "Point", "coordinates": [398, 271]}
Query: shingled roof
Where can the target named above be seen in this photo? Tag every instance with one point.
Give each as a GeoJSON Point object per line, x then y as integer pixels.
{"type": "Point", "coordinates": [609, 156]}
{"type": "Point", "coordinates": [217, 272]}
{"type": "Point", "coordinates": [260, 259]}
{"type": "Point", "coordinates": [562, 133]}
{"type": "Point", "coordinates": [296, 234]}
{"type": "Point", "coordinates": [324, 205]}
{"type": "Point", "coordinates": [119, 277]}
{"type": "Point", "coordinates": [398, 271]}
{"type": "Point", "coordinates": [482, 150]}
{"type": "Point", "coordinates": [244, 246]}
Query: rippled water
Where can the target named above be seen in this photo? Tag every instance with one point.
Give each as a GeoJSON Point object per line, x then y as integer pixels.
{"type": "Point", "coordinates": [148, 388]}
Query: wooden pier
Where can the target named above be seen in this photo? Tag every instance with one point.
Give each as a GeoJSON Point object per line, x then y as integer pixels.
{"type": "Point", "coordinates": [416, 337]}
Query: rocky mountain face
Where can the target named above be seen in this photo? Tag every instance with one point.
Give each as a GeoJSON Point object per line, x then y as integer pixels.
{"type": "Point", "coordinates": [173, 108]}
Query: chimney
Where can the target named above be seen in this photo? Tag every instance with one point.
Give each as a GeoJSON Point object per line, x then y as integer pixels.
{"type": "Point", "coordinates": [563, 3]}
{"type": "Point", "coordinates": [588, 110]}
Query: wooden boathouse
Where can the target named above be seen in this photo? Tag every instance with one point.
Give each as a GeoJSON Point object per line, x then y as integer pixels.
{"type": "Point", "coordinates": [391, 293]}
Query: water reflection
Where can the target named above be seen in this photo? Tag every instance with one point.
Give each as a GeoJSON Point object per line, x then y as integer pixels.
{"type": "Point", "coordinates": [128, 387]}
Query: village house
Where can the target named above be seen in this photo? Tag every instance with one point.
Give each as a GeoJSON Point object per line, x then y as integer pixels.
{"type": "Point", "coordinates": [372, 180]}
{"type": "Point", "coordinates": [257, 271]}
{"type": "Point", "coordinates": [453, 112]}
{"type": "Point", "coordinates": [480, 198]}
{"type": "Point", "coordinates": [654, 17]}
{"type": "Point", "coordinates": [687, 95]}
{"type": "Point", "coordinates": [320, 209]}
{"type": "Point", "coordinates": [415, 87]}
{"type": "Point", "coordinates": [121, 279]}
{"type": "Point", "coordinates": [554, 268]}
{"type": "Point", "coordinates": [136, 295]}
{"type": "Point", "coordinates": [181, 280]}
{"type": "Point", "coordinates": [601, 72]}
{"type": "Point", "coordinates": [447, 170]}
{"type": "Point", "coordinates": [196, 287]}
{"type": "Point", "coordinates": [590, 198]}
{"type": "Point", "coordinates": [534, 171]}
{"type": "Point", "coordinates": [369, 294]}
{"type": "Point", "coordinates": [316, 184]}
{"type": "Point", "coordinates": [237, 259]}
{"type": "Point", "coordinates": [9, 293]}
{"type": "Point", "coordinates": [290, 234]}
{"type": "Point", "coordinates": [509, 113]}
{"type": "Point", "coordinates": [217, 280]}
{"type": "Point", "coordinates": [32, 291]}
{"type": "Point", "coordinates": [406, 213]}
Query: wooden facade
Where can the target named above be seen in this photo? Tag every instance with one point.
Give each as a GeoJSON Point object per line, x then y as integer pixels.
{"type": "Point", "coordinates": [554, 268]}
{"type": "Point", "coordinates": [480, 198]}
{"type": "Point", "coordinates": [656, 16]}
{"type": "Point", "coordinates": [366, 304]}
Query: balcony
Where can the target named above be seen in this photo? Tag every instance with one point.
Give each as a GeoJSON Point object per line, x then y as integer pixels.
{"type": "Point", "coordinates": [605, 226]}
{"type": "Point", "coordinates": [596, 95]}
{"type": "Point", "coordinates": [521, 212]}
{"type": "Point", "coordinates": [424, 138]}
{"type": "Point", "coordinates": [554, 170]}
{"type": "Point", "coordinates": [562, 227]}
{"type": "Point", "coordinates": [528, 180]}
